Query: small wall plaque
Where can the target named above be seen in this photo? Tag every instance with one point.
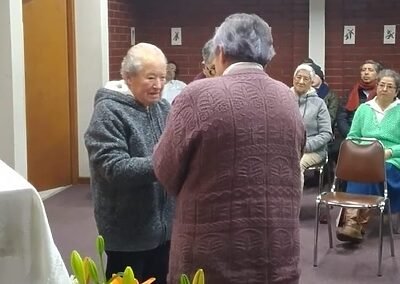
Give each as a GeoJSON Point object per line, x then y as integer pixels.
{"type": "Point", "coordinates": [176, 36]}
{"type": "Point", "coordinates": [349, 35]}
{"type": "Point", "coordinates": [389, 34]}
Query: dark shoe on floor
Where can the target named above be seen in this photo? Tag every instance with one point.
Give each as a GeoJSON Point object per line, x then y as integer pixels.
{"type": "Point", "coordinates": [349, 234]}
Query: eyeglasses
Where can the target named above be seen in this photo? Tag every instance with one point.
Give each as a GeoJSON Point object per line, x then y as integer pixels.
{"type": "Point", "coordinates": [388, 87]}
{"type": "Point", "coordinates": [210, 69]}
{"type": "Point", "coordinates": [305, 79]}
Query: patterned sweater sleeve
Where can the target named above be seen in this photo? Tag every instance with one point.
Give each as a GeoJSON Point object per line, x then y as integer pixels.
{"type": "Point", "coordinates": [172, 154]}
{"type": "Point", "coordinates": [108, 149]}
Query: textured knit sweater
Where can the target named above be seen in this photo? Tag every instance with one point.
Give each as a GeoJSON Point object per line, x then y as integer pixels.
{"type": "Point", "coordinates": [386, 130]}
{"type": "Point", "coordinates": [231, 153]}
{"type": "Point", "coordinates": [132, 211]}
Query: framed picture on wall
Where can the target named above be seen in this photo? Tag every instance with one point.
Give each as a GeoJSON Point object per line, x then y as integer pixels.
{"type": "Point", "coordinates": [349, 35]}
{"type": "Point", "coordinates": [176, 36]}
{"type": "Point", "coordinates": [133, 36]}
{"type": "Point", "coordinates": [389, 34]}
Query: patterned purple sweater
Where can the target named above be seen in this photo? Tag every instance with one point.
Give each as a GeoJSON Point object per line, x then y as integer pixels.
{"type": "Point", "coordinates": [230, 153]}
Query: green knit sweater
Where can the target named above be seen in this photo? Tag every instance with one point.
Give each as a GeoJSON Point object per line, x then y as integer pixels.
{"type": "Point", "coordinates": [365, 124]}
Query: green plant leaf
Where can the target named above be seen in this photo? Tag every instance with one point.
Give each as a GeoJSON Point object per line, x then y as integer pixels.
{"type": "Point", "coordinates": [93, 271]}
{"type": "Point", "coordinates": [129, 277]}
{"type": "Point", "coordinates": [198, 277]}
{"type": "Point", "coordinates": [100, 247]}
{"type": "Point", "coordinates": [77, 267]}
{"type": "Point", "coordinates": [100, 244]}
{"type": "Point", "coordinates": [184, 279]}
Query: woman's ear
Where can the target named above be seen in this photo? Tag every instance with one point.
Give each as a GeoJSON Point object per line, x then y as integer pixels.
{"type": "Point", "coordinates": [220, 61]}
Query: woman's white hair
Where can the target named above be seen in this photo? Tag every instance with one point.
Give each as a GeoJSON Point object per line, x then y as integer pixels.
{"type": "Point", "coordinates": [305, 67]}
{"type": "Point", "coordinates": [139, 54]}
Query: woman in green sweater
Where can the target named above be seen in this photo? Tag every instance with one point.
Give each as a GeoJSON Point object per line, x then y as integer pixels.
{"type": "Point", "coordinates": [380, 119]}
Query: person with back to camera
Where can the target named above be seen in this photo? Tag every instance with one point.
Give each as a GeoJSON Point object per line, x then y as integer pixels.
{"type": "Point", "coordinates": [132, 211]}
{"type": "Point", "coordinates": [377, 118]}
{"type": "Point", "coordinates": [207, 63]}
{"type": "Point", "coordinates": [172, 87]}
{"type": "Point", "coordinates": [315, 116]}
{"type": "Point", "coordinates": [231, 153]}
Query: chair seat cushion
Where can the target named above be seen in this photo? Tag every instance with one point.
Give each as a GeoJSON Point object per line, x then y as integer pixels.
{"type": "Point", "coordinates": [351, 200]}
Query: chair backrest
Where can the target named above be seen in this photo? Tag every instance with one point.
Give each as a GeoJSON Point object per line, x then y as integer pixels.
{"type": "Point", "coordinates": [361, 160]}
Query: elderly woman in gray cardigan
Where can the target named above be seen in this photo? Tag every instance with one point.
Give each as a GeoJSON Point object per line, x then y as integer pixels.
{"type": "Point", "coordinates": [315, 117]}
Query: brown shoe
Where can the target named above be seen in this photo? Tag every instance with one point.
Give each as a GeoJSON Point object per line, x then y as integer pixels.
{"type": "Point", "coordinates": [349, 233]}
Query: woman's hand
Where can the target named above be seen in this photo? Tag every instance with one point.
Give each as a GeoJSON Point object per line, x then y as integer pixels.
{"type": "Point", "coordinates": [388, 154]}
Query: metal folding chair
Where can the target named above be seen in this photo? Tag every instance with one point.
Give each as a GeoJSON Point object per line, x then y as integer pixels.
{"type": "Point", "coordinates": [360, 160]}
{"type": "Point", "coordinates": [320, 168]}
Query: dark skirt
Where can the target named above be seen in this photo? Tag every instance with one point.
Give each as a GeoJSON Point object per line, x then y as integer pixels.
{"type": "Point", "coordinates": [393, 182]}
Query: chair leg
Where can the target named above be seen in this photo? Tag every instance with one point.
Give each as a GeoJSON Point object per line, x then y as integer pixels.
{"type": "Point", "coordinates": [380, 242]}
{"type": "Point", "coordinates": [317, 208]}
{"type": "Point", "coordinates": [321, 179]}
{"type": "Point", "coordinates": [328, 214]}
{"type": "Point", "coordinates": [390, 228]}
{"type": "Point", "coordinates": [396, 228]}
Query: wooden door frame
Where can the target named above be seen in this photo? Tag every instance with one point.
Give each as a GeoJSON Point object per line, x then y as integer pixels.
{"type": "Point", "coordinates": [72, 90]}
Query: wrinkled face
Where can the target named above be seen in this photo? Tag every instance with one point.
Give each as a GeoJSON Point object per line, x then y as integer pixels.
{"type": "Point", "coordinates": [147, 84]}
{"type": "Point", "coordinates": [317, 81]}
{"type": "Point", "coordinates": [368, 73]}
{"type": "Point", "coordinates": [302, 82]}
{"type": "Point", "coordinates": [171, 71]}
{"type": "Point", "coordinates": [386, 90]}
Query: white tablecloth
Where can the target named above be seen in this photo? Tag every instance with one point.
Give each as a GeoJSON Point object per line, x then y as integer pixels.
{"type": "Point", "coordinates": [27, 250]}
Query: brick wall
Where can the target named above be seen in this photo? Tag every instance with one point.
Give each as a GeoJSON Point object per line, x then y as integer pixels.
{"type": "Point", "coordinates": [198, 19]}
{"type": "Point", "coordinates": [121, 16]}
{"type": "Point", "coordinates": [369, 17]}
{"type": "Point", "coordinates": [289, 21]}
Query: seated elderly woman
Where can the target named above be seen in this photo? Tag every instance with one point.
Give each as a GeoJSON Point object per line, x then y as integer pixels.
{"type": "Point", "coordinates": [315, 115]}
{"type": "Point", "coordinates": [378, 118]}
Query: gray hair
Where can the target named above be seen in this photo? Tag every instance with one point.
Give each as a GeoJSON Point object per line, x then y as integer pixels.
{"type": "Point", "coordinates": [207, 52]}
{"type": "Point", "coordinates": [392, 74]}
{"type": "Point", "coordinates": [139, 54]}
{"type": "Point", "coordinates": [245, 37]}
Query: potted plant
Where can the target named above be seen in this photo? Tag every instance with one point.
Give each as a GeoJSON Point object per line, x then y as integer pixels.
{"type": "Point", "coordinates": [85, 270]}
{"type": "Point", "coordinates": [197, 279]}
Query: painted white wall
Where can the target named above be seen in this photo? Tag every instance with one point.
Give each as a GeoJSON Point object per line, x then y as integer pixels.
{"type": "Point", "coordinates": [12, 87]}
{"type": "Point", "coordinates": [91, 36]}
{"type": "Point", "coordinates": [316, 39]}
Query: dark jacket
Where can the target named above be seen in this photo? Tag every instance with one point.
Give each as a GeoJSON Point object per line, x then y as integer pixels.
{"type": "Point", "coordinates": [345, 117]}
{"type": "Point", "coordinates": [132, 211]}
{"type": "Point", "coordinates": [332, 102]}
{"type": "Point", "coordinates": [231, 153]}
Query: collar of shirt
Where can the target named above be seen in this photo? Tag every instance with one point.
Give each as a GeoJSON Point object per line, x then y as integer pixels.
{"type": "Point", "coordinates": [242, 65]}
{"type": "Point", "coordinates": [378, 110]}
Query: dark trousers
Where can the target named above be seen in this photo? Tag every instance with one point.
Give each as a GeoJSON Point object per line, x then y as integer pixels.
{"type": "Point", "coordinates": [145, 264]}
